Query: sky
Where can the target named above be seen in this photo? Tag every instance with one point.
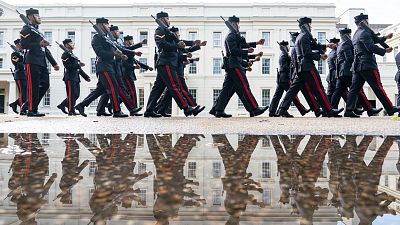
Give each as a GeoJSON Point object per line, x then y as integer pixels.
{"type": "Point", "coordinates": [386, 11]}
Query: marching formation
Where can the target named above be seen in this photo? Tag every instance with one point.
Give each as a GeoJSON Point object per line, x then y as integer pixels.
{"type": "Point", "coordinates": [351, 63]}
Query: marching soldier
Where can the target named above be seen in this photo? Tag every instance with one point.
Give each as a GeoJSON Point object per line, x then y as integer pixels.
{"type": "Point", "coordinates": [107, 82]}
{"type": "Point", "coordinates": [331, 78]}
{"type": "Point", "coordinates": [167, 61]}
{"type": "Point", "coordinates": [35, 62]}
{"type": "Point", "coordinates": [73, 69]}
{"type": "Point", "coordinates": [307, 73]}
{"type": "Point", "coordinates": [365, 68]}
{"type": "Point", "coordinates": [19, 74]}
{"type": "Point", "coordinates": [283, 82]}
{"type": "Point", "coordinates": [237, 49]}
{"type": "Point", "coordinates": [345, 58]}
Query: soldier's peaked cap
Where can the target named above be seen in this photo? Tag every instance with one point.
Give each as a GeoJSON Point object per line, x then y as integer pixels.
{"type": "Point", "coordinates": [304, 20]}
{"type": "Point", "coordinates": [360, 17]}
{"type": "Point", "coordinates": [234, 19]}
{"type": "Point", "coordinates": [345, 31]}
{"type": "Point", "coordinates": [101, 20]}
{"type": "Point", "coordinates": [162, 14]}
{"type": "Point", "coordinates": [31, 11]}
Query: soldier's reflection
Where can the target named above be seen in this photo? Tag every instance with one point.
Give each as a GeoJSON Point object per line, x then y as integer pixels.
{"type": "Point", "coordinates": [237, 182]}
{"type": "Point", "coordinates": [170, 184]}
{"type": "Point", "coordinates": [113, 182]}
{"type": "Point", "coordinates": [306, 196]}
{"type": "Point", "coordinates": [70, 167]}
{"type": "Point", "coordinates": [27, 182]}
{"type": "Point", "coordinates": [370, 203]}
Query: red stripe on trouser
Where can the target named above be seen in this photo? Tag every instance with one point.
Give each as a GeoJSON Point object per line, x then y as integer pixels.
{"type": "Point", "coordinates": [29, 76]}
{"type": "Point", "coordinates": [185, 93]}
{"type": "Point", "coordinates": [132, 91]}
{"type": "Point", "coordinates": [365, 99]}
{"type": "Point", "coordinates": [20, 93]}
{"type": "Point", "coordinates": [319, 89]}
{"type": "Point", "coordinates": [113, 94]}
{"type": "Point", "coordinates": [380, 87]}
{"type": "Point", "coordinates": [311, 96]}
{"type": "Point", "coordinates": [301, 107]}
{"type": "Point", "coordinates": [69, 97]}
{"type": "Point", "coordinates": [174, 87]}
{"type": "Point", "coordinates": [253, 102]}
{"type": "Point", "coordinates": [124, 97]}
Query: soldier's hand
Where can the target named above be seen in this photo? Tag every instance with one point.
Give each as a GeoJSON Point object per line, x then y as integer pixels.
{"type": "Point", "coordinates": [260, 54]}
{"type": "Point", "coordinates": [258, 58]}
{"type": "Point", "coordinates": [118, 53]}
{"type": "Point", "coordinates": [44, 43]}
{"type": "Point", "coordinates": [88, 80]}
{"type": "Point", "coordinates": [389, 50]}
{"type": "Point", "coordinates": [137, 66]}
{"type": "Point", "coordinates": [138, 54]}
{"type": "Point", "coordinates": [250, 50]}
{"type": "Point", "coordinates": [203, 43]}
{"type": "Point", "coordinates": [124, 57]}
{"type": "Point", "coordinates": [196, 59]}
{"type": "Point", "coordinates": [56, 67]}
{"type": "Point", "coordinates": [324, 56]}
{"type": "Point", "coordinates": [389, 36]}
{"type": "Point", "coordinates": [82, 64]}
{"type": "Point", "coordinates": [197, 42]}
{"type": "Point", "coordinates": [151, 68]}
{"type": "Point", "coordinates": [181, 44]}
{"type": "Point", "coordinates": [260, 42]}
{"type": "Point", "coordinates": [144, 41]}
{"type": "Point", "coordinates": [331, 45]}
{"type": "Point", "coordinates": [189, 55]}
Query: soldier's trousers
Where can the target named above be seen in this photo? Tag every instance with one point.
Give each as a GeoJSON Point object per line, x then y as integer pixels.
{"type": "Point", "coordinates": [166, 78]}
{"type": "Point", "coordinates": [73, 91]}
{"type": "Point", "coordinates": [341, 91]}
{"type": "Point", "coordinates": [312, 81]}
{"type": "Point", "coordinates": [331, 89]}
{"type": "Point", "coordinates": [106, 84]}
{"type": "Point", "coordinates": [22, 89]}
{"type": "Point", "coordinates": [166, 99]}
{"type": "Point", "coordinates": [38, 83]}
{"type": "Point", "coordinates": [237, 79]}
{"type": "Point", "coordinates": [130, 85]}
{"type": "Point", "coordinates": [281, 87]}
{"type": "Point", "coordinates": [373, 78]}
{"type": "Point", "coordinates": [398, 95]}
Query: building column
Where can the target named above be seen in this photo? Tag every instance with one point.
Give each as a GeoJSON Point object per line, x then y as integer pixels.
{"type": "Point", "coordinates": [12, 95]}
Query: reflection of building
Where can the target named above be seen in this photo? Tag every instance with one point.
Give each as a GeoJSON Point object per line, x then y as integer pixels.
{"type": "Point", "coordinates": [203, 165]}
{"type": "Point", "coordinates": [196, 21]}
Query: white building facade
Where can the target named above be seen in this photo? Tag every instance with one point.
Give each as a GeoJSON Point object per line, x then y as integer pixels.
{"type": "Point", "coordinates": [196, 21]}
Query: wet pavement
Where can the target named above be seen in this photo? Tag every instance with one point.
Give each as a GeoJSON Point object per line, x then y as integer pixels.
{"type": "Point", "coordinates": [185, 179]}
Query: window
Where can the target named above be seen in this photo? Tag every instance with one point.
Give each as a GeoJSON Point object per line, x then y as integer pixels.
{"type": "Point", "coordinates": [217, 64]}
{"type": "Point", "coordinates": [267, 37]}
{"type": "Point", "coordinates": [141, 97]}
{"type": "Point", "coordinates": [386, 180]}
{"type": "Point", "coordinates": [217, 39]}
{"type": "Point", "coordinates": [216, 169]}
{"type": "Point", "coordinates": [266, 66]}
{"type": "Point", "coordinates": [1, 63]}
{"type": "Point", "coordinates": [142, 197]}
{"type": "Point", "coordinates": [193, 68]}
{"type": "Point", "coordinates": [93, 65]}
{"type": "Point", "coordinates": [144, 61]}
{"type": "Point", "coordinates": [216, 197]}
{"type": "Point", "coordinates": [324, 171]}
{"type": "Point", "coordinates": [265, 142]}
{"type": "Point", "coordinates": [140, 141]}
{"type": "Point", "coordinates": [96, 101]}
{"type": "Point", "coordinates": [1, 39]}
{"type": "Point", "coordinates": [193, 92]}
{"type": "Point", "coordinates": [49, 36]}
{"type": "Point", "coordinates": [266, 170]}
{"type": "Point", "coordinates": [322, 66]}
{"type": "Point", "coordinates": [92, 167]}
{"type": "Point", "coordinates": [265, 97]}
{"type": "Point", "coordinates": [192, 35]}
{"type": "Point", "coordinates": [45, 139]}
{"type": "Point", "coordinates": [395, 50]}
{"type": "Point", "coordinates": [71, 35]}
{"type": "Point", "coordinates": [266, 198]}
{"type": "Point", "coordinates": [240, 138]}
{"type": "Point", "coordinates": [141, 168]}
{"type": "Point", "coordinates": [93, 138]}
{"type": "Point", "coordinates": [48, 65]}
{"type": "Point", "coordinates": [240, 103]}
{"type": "Point", "coordinates": [321, 37]}
{"type": "Point", "coordinates": [46, 98]}
{"type": "Point", "coordinates": [216, 93]}
{"type": "Point", "coordinates": [192, 170]}
{"type": "Point", "coordinates": [143, 35]}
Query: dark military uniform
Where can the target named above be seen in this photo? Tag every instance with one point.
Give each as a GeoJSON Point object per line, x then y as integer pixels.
{"type": "Point", "coordinates": [366, 69]}
{"type": "Point", "coordinates": [17, 59]}
{"type": "Point", "coordinates": [71, 78]}
{"type": "Point", "coordinates": [283, 82]}
{"type": "Point", "coordinates": [397, 77]}
{"type": "Point", "coordinates": [331, 77]}
{"type": "Point", "coordinates": [36, 66]}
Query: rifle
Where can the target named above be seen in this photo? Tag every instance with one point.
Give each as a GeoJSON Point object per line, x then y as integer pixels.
{"type": "Point", "coordinates": [12, 72]}
{"type": "Point", "coordinates": [377, 39]}
{"type": "Point", "coordinates": [14, 48]}
{"type": "Point", "coordinates": [230, 26]}
{"type": "Point", "coordinates": [68, 51]}
{"type": "Point", "coordinates": [166, 30]}
{"type": "Point", "coordinates": [30, 25]}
